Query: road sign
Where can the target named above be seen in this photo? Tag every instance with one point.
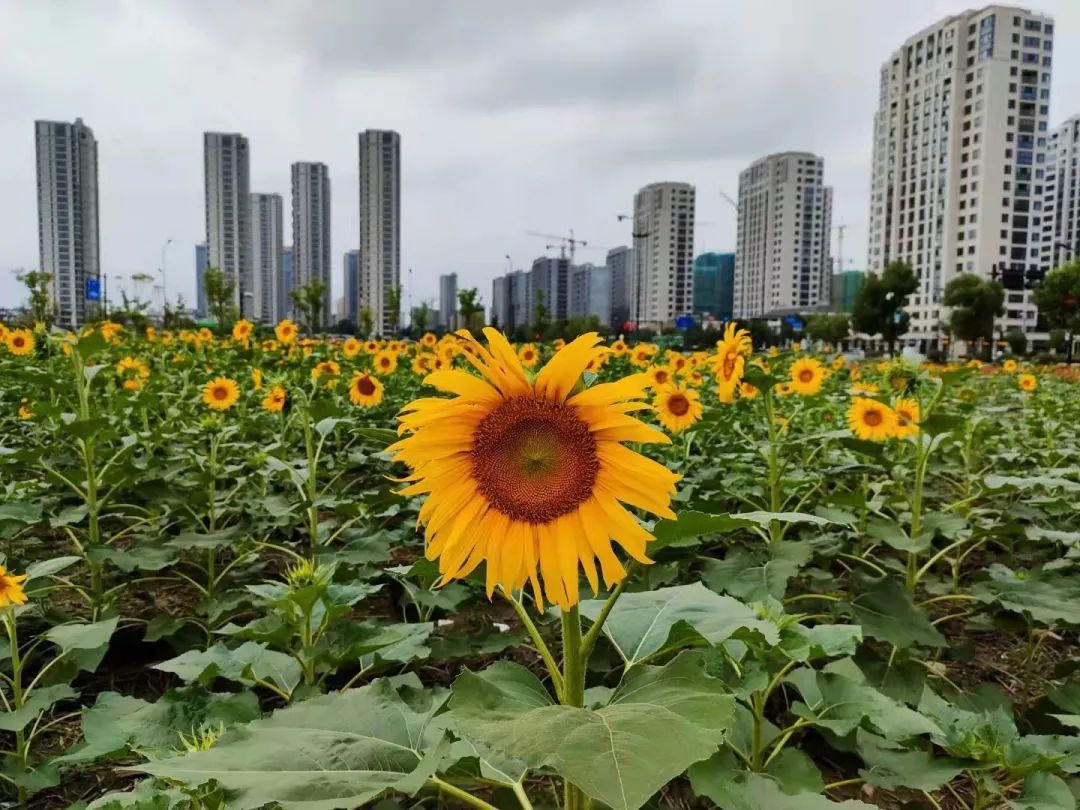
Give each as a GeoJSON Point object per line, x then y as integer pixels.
{"type": "Point", "coordinates": [793, 322]}
{"type": "Point", "coordinates": [93, 289]}
{"type": "Point", "coordinates": [684, 321]}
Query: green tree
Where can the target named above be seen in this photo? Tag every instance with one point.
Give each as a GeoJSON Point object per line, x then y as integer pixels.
{"type": "Point", "coordinates": [879, 306]}
{"type": "Point", "coordinates": [540, 314]}
{"type": "Point", "coordinates": [975, 302]}
{"type": "Point", "coordinates": [220, 291]}
{"type": "Point", "coordinates": [366, 321]}
{"type": "Point", "coordinates": [471, 307]}
{"type": "Point", "coordinates": [1058, 299]}
{"type": "Point", "coordinates": [830, 327]}
{"type": "Point", "coordinates": [1017, 341]}
{"type": "Point", "coordinates": [393, 308]}
{"type": "Point", "coordinates": [39, 285]}
{"type": "Point", "coordinates": [420, 316]}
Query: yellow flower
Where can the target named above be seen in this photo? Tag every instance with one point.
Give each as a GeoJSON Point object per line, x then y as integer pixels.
{"type": "Point", "coordinates": [619, 348]}
{"type": "Point", "coordinates": [11, 592]}
{"type": "Point", "coordinates": [274, 401]}
{"type": "Point", "coordinates": [558, 343]}
{"type": "Point", "coordinates": [796, 346]}
{"type": "Point", "coordinates": [351, 347]}
{"type": "Point", "coordinates": [424, 363]}
{"type": "Point", "coordinates": [151, 334]}
{"type": "Point", "coordinates": [807, 375]}
{"type": "Point", "coordinates": [327, 368]}
{"type": "Point", "coordinates": [730, 361]}
{"type": "Point", "coordinates": [205, 335]}
{"type": "Point", "coordinates": [1009, 366]}
{"type": "Point", "coordinates": [429, 339]}
{"type": "Point", "coordinates": [773, 351]}
{"type": "Point", "coordinates": [24, 411]}
{"type": "Point", "coordinates": [838, 363]}
{"type": "Point", "coordinates": [257, 378]}
{"type": "Point", "coordinates": [870, 419]}
{"type": "Point", "coordinates": [241, 331]}
{"type": "Point", "coordinates": [285, 332]}
{"type": "Point", "coordinates": [221, 393]}
{"type": "Point", "coordinates": [1027, 382]}
{"type": "Point", "coordinates": [20, 342]}
{"type": "Point", "coordinates": [385, 363]}
{"type": "Point", "coordinates": [527, 472]}
{"type": "Point", "coordinates": [659, 376]}
{"type": "Point", "coordinates": [642, 354]}
{"type": "Point", "coordinates": [677, 408]}
{"type": "Point", "coordinates": [907, 417]}
{"type": "Point", "coordinates": [371, 347]}
{"type": "Point", "coordinates": [865, 388]}
{"type": "Point", "coordinates": [528, 355]}
{"type": "Point", "coordinates": [747, 390]}
{"type": "Point", "coordinates": [365, 390]}
{"type": "Point", "coordinates": [111, 330]}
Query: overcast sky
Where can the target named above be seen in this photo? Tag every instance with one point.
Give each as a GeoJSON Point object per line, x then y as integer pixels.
{"type": "Point", "coordinates": [514, 116]}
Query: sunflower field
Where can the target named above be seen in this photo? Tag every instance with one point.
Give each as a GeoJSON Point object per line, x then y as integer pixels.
{"type": "Point", "coordinates": [255, 570]}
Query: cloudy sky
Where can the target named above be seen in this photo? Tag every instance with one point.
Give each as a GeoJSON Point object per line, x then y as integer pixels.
{"type": "Point", "coordinates": [514, 116]}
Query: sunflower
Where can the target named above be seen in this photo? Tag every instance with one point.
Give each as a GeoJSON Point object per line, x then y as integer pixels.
{"type": "Point", "coordinates": [385, 362]}
{"type": "Point", "coordinates": [619, 348]}
{"type": "Point", "coordinates": [865, 388]}
{"type": "Point", "coordinates": [132, 372]}
{"type": "Point", "coordinates": [3, 333]}
{"type": "Point", "coordinates": [659, 376]}
{"type": "Point", "coordinates": [558, 344]}
{"type": "Point", "coordinates": [747, 390]}
{"type": "Point", "coordinates": [241, 331]}
{"type": "Point", "coordinates": [907, 417]}
{"type": "Point", "coordinates": [326, 368]}
{"type": "Point", "coordinates": [285, 332]}
{"type": "Point", "coordinates": [371, 346]}
{"type": "Point", "coordinates": [20, 342]}
{"type": "Point", "coordinates": [531, 472]}
{"type": "Point", "coordinates": [365, 390]}
{"type": "Point", "coordinates": [730, 360]}
{"type": "Point", "coordinates": [257, 378]}
{"type": "Point", "coordinates": [11, 591]}
{"type": "Point", "coordinates": [24, 410]}
{"type": "Point", "coordinates": [642, 354]}
{"type": "Point", "coordinates": [807, 375]}
{"type": "Point", "coordinates": [528, 355]}
{"type": "Point", "coordinates": [221, 393]}
{"type": "Point", "coordinates": [839, 362]}
{"type": "Point", "coordinates": [351, 347]}
{"type": "Point", "coordinates": [1027, 382]}
{"type": "Point", "coordinates": [870, 419]}
{"type": "Point", "coordinates": [429, 339]}
{"type": "Point", "coordinates": [677, 408]}
{"type": "Point", "coordinates": [1009, 366]}
{"type": "Point", "coordinates": [111, 331]}
{"type": "Point", "coordinates": [274, 401]}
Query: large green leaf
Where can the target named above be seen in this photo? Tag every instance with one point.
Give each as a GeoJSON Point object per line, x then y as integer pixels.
{"type": "Point", "coordinates": [643, 625]}
{"type": "Point", "coordinates": [250, 662]}
{"type": "Point", "coordinates": [1047, 597]}
{"type": "Point", "coordinates": [658, 722]}
{"type": "Point", "coordinates": [333, 751]}
{"type": "Point", "coordinates": [750, 791]}
{"type": "Point", "coordinates": [887, 613]}
{"type": "Point", "coordinates": [1044, 791]}
{"type": "Point", "coordinates": [84, 645]}
{"type": "Point", "coordinates": [40, 700]}
{"type": "Point", "coordinates": [917, 769]}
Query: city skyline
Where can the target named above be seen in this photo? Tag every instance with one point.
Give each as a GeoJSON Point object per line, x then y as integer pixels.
{"type": "Point", "coordinates": [472, 189]}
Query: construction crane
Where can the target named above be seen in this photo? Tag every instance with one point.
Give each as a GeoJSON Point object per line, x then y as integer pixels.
{"type": "Point", "coordinates": [563, 242]}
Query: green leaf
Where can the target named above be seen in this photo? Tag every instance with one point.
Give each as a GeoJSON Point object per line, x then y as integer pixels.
{"type": "Point", "coordinates": [246, 664]}
{"type": "Point", "coordinates": [690, 528]}
{"type": "Point", "coordinates": [803, 643]}
{"type": "Point", "coordinates": [887, 613]}
{"type": "Point", "coordinates": [1046, 597]}
{"type": "Point", "coordinates": [841, 705]}
{"type": "Point", "coordinates": [659, 721]}
{"type": "Point", "coordinates": [205, 541]}
{"type": "Point", "coordinates": [918, 770]}
{"type": "Point", "coordinates": [1044, 791]}
{"type": "Point", "coordinates": [40, 700]}
{"type": "Point", "coordinates": [324, 427]}
{"type": "Point", "coordinates": [411, 644]}
{"type": "Point", "coordinates": [893, 535]}
{"type": "Point", "coordinates": [641, 625]}
{"type": "Point", "coordinates": [941, 423]}
{"type": "Point", "coordinates": [379, 436]}
{"type": "Point", "coordinates": [1048, 482]}
{"type": "Point", "coordinates": [796, 772]}
{"type": "Point", "coordinates": [84, 644]}
{"type": "Point", "coordinates": [20, 512]}
{"type": "Point", "coordinates": [46, 568]}
{"type": "Point", "coordinates": [330, 752]}
{"type": "Point", "coordinates": [750, 791]}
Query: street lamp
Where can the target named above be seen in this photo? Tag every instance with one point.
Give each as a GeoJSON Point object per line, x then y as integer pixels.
{"type": "Point", "coordinates": [509, 263]}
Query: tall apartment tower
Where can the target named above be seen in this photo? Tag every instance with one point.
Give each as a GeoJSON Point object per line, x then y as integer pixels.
{"type": "Point", "coordinates": [1061, 197]}
{"type": "Point", "coordinates": [782, 260]}
{"type": "Point", "coordinates": [351, 267]}
{"type": "Point", "coordinates": [620, 262]}
{"type": "Point", "coordinates": [311, 229]}
{"type": "Point", "coordinates": [285, 302]}
{"type": "Point", "coordinates": [266, 254]}
{"type": "Point", "coordinates": [227, 170]}
{"type": "Point", "coordinates": [960, 145]}
{"type": "Point", "coordinates": [380, 224]}
{"type": "Point", "coordinates": [448, 302]}
{"type": "Point", "coordinates": [67, 186]}
{"type": "Point", "coordinates": [662, 284]}
{"type": "Point", "coordinates": [202, 303]}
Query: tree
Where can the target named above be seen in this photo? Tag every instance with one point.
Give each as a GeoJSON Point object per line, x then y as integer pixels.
{"type": "Point", "coordinates": [366, 321]}
{"type": "Point", "coordinates": [540, 314]}
{"type": "Point", "coordinates": [393, 308]}
{"type": "Point", "coordinates": [220, 291]}
{"type": "Point", "coordinates": [1058, 298]}
{"type": "Point", "coordinates": [833, 327]}
{"type": "Point", "coordinates": [420, 316]}
{"type": "Point", "coordinates": [39, 284]}
{"type": "Point", "coordinates": [1017, 341]}
{"type": "Point", "coordinates": [975, 303]}
{"type": "Point", "coordinates": [308, 300]}
{"type": "Point", "coordinates": [471, 307]}
{"type": "Point", "coordinates": [879, 306]}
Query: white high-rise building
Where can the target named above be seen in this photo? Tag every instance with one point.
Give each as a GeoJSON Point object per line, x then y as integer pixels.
{"type": "Point", "coordinates": [782, 263]}
{"type": "Point", "coordinates": [960, 143]}
{"type": "Point", "coordinates": [67, 186]}
{"type": "Point", "coordinates": [448, 302]}
{"type": "Point", "coordinates": [380, 225]}
{"type": "Point", "coordinates": [662, 284]}
{"type": "Point", "coordinates": [1061, 198]}
{"type": "Point", "coordinates": [311, 230]}
{"type": "Point", "coordinates": [227, 170]}
{"type": "Point", "coordinates": [266, 253]}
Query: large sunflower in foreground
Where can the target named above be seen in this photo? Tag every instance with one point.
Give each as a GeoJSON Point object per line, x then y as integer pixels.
{"type": "Point", "coordinates": [730, 361]}
{"type": "Point", "coordinates": [525, 472]}
{"type": "Point", "coordinates": [870, 419]}
{"type": "Point", "coordinates": [20, 342]}
{"type": "Point", "coordinates": [807, 375]}
{"type": "Point", "coordinates": [677, 408]}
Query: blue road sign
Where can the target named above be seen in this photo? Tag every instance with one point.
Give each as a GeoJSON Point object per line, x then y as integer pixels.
{"type": "Point", "coordinates": [793, 322]}
{"type": "Point", "coordinates": [93, 289]}
{"type": "Point", "coordinates": [684, 321]}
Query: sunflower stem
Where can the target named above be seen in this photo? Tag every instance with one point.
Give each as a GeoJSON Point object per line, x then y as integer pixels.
{"type": "Point", "coordinates": [458, 793]}
{"type": "Point", "coordinates": [538, 641]}
{"type": "Point", "coordinates": [573, 689]}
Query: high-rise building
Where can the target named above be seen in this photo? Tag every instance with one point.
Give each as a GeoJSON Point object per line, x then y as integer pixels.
{"type": "Point", "coordinates": [67, 187]}
{"type": "Point", "coordinates": [590, 292]}
{"type": "Point", "coordinates": [448, 302]}
{"type": "Point", "coordinates": [845, 289]}
{"type": "Point", "coordinates": [352, 285]}
{"type": "Point", "coordinates": [782, 259]}
{"type": "Point", "coordinates": [380, 224]}
{"type": "Point", "coordinates": [500, 303]}
{"type": "Point", "coordinates": [549, 284]}
{"type": "Point", "coordinates": [285, 302]}
{"type": "Point", "coordinates": [522, 304]}
{"type": "Point", "coordinates": [1061, 197]}
{"type": "Point", "coordinates": [202, 303]}
{"type": "Point", "coordinates": [227, 172]}
{"type": "Point", "coordinates": [311, 230]}
{"type": "Point", "coordinates": [620, 261]}
{"type": "Point", "coordinates": [266, 249]}
{"type": "Point", "coordinates": [714, 286]}
{"type": "Point", "coordinates": [662, 284]}
{"type": "Point", "coordinates": [960, 143]}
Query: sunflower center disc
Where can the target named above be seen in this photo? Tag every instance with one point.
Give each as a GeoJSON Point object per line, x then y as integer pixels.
{"type": "Point", "coordinates": [534, 460]}
{"type": "Point", "coordinates": [678, 405]}
{"type": "Point", "coordinates": [365, 386]}
{"type": "Point", "coordinates": [872, 418]}
{"type": "Point", "coordinates": [806, 375]}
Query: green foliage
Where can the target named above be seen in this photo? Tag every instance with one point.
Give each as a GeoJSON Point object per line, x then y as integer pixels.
{"type": "Point", "coordinates": [220, 296]}
{"type": "Point", "coordinates": [975, 302]}
{"type": "Point", "coordinates": [832, 327]}
{"type": "Point", "coordinates": [471, 307]}
{"type": "Point", "coordinates": [879, 306]}
{"type": "Point", "coordinates": [38, 284]}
